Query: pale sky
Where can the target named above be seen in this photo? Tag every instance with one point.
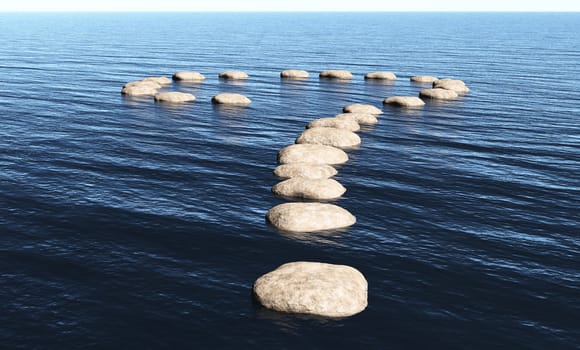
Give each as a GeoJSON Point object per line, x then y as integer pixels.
{"type": "Point", "coordinates": [291, 5]}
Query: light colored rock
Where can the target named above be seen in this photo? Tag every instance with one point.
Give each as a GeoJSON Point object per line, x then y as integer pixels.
{"type": "Point", "coordinates": [301, 187]}
{"type": "Point", "coordinates": [361, 118]}
{"type": "Point", "coordinates": [309, 171]}
{"type": "Point", "coordinates": [174, 97]}
{"type": "Point", "coordinates": [404, 101]}
{"type": "Point", "coordinates": [309, 217]}
{"type": "Point", "coordinates": [340, 138]}
{"type": "Point", "coordinates": [381, 75]}
{"type": "Point", "coordinates": [233, 75]}
{"type": "Point", "coordinates": [333, 122]}
{"type": "Point", "coordinates": [336, 74]}
{"type": "Point", "coordinates": [312, 154]}
{"type": "Point", "coordinates": [231, 99]}
{"type": "Point", "coordinates": [188, 76]}
{"type": "Point", "coordinates": [451, 84]}
{"type": "Point", "coordinates": [362, 108]}
{"type": "Point", "coordinates": [140, 88]}
{"type": "Point", "coordinates": [424, 79]}
{"type": "Point", "coordinates": [313, 288]}
{"type": "Point", "coordinates": [294, 74]}
{"type": "Point", "coordinates": [438, 94]}
{"type": "Point", "coordinates": [159, 80]}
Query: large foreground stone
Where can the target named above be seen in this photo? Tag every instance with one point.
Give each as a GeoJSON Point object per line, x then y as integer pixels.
{"type": "Point", "coordinates": [233, 75]}
{"type": "Point", "coordinates": [333, 122]}
{"type": "Point", "coordinates": [424, 79]}
{"type": "Point", "coordinates": [231, 99]}
{"type": "Point", "coordinates": [294, 74]}
{"type": "Point", "coordinates": [188, 76]}
{"type": "Point", "coordinates": [159, 80]}
{"type": "Point", "coordinates": [140, 88]}
{"type": "Point", "coordinates": [309, 217]}
{"type": "Point", "coordinates": [362, 108]}
{"type": "Point", "coordinates": [381, 76]}
{"type": "Point", "coordinates": [313, 288]}
{"type": "Point", "coordinates": [340, 138]}
{"type": "Point", "coordinates": [174, 97]}
{"type": "Point", "coordinates": [404, 101]}
{"type": "Point", "coordinates": [361, 118]}
{"type": "Point", "coordinates": [438, 94]}
{"type": "Point", "coordinates": [306, 170]}
{"type": "Point", "coordinates": [312, 154]}
{"type": "Point", "coordinates": [301, 187]}
{"type": "Point", "coordinates": [451, 84]}
{"type": "Point", "coordinates": [336, 74]}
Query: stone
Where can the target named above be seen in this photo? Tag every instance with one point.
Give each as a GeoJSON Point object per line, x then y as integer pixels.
{"type": "Point", "coordinates": [336, 74]}
{"type": "Point", "coordinates": [163, 81]}
{"type": "Point", "coordinates": [294, 74]}
{"type": "Point", "coordinates": [340, 138]}
{"type": "Point", "coordinates": [188, 76]}
{"type": "Point", "coordinates": [174, 97]}
{"type": "Point", "coordinates": [140, 88]}
{"type": "Point", "coordinates": [233, 75]}
{"type": "Point", "coordinates": [231, 99]}
{"type": "Point", "coordinates": [362, 108]}
{"type": "Point", "coordinates": [451, 84]}
{"type": "Point", "coordinates": [313, 288]}
{"type": "Point", "coordinates": [404, 101]}
{"type": "Point", "coordinates": [438, 94]}
{"type": "Point", "coordinates": [309, 217]}
{"type": "Point", "coordinates": [381, 76]}
{"type": "Point", "coordinates": [338, 123]}
{"type": "Point", "coordinates": [361, 118]}
{"type": "Point", "coordinates": [424, 79]}
{"type": "Point", "coordinates": [312, 154]}
{"type": "Point", "coordinates": [306, 170]}
{"type": "Point", "coordinates": [301, 187]}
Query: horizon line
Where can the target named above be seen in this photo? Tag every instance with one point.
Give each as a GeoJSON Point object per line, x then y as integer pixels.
{"type": "Point", "coordinates": [289, 11]}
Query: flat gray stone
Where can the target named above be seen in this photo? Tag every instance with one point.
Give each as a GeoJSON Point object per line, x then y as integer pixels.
{"type": "Point", "coordinates": [231, 99]}
{"type": "Point", "coordinates": [333, 122]}
{"type": "Point", "coordinates": [438, 94]}
{"type": "Point", "coordinates": [424, 79]}
{"type": "Point", "coordinates": [294, 74]}
{"type": "Point", "coordinates": [301, 187]}
{"type": "Point", "coordinates": [313, 288]}
{"type": "Point", "coordinates": [309, 217]}
{"type": "Point", "coordinates": [233, 75]}
{"type": "Point", "coordinates": [310, 171]}
{"type": "Point", "coordinates": [312, 154]}
{"type": "Point", "coordinates": [404, 101]}
{"type": "Point", "coordinates": [381, 76]}
{"type": "Point", "coordinates": [362, 108]}
{"type": "Point", "coordinates": [340, 138]}
{"type": "Point", "coordinates": [174, 97]}
{"type": "Point", "coordinates": [336, 74]}
{"type": "Point", "coordinates": [188, 76]}
{"type": "Point", "coordinates": [360, 118]}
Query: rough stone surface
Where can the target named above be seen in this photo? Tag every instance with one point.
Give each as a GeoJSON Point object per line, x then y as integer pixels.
{"type": "Point", "coordinates": [234, 75]}
{"type": "Point", "coordinates": [294, 74]}
{"type": "Point", "coordinates": [301, 187]}
{"type": "Point", "coordinates": [381, 75]}
{"type": "Point", "coordinates": [313, 288]}
{"type": "Point", "coordinates": [140, 88]}
{"type": "Point", "coordinates": [174, 97]}
{"type": "Point", "coordinates": [159, 80]}
{"type": "Point", "coordinates": [438, 94]}
{"type": "Point", "coordinates": [336, 74]}
{"type": "Point", "coordinates": [451, 84]}
{"type": "Point", "coordinates": [361, 118]}
{"type": "Point", "coordinates": [309, 217]}
{"type": "Point", "coordinates": [312, 154]}
{"type": "Point", "coordinates": [362, 108]}
{"type": "Point", "coordinates": [188, 76]}
{"type": "Point", "coordinates": [306, 170]}
{"type": "Point", "coordinates": [340, 138]}
{"type": "Point", "coordinates": [333, 122]}
{"type": "Point", "coordinates": [404, 101]}
{"type": "Point", "coordinates": [425, 79]}
{"type": "Point", "coordinates": [231, 99]}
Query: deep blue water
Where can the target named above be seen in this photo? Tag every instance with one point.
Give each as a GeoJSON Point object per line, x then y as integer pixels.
{"type": "Point", "coordinates": [129, 224]}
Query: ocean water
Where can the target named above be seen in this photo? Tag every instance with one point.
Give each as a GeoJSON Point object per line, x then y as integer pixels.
{"type": "Point", "coordinates": [129, 224]}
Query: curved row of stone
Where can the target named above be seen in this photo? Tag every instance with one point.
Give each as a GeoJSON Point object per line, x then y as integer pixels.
{"type": "Point", "coordinates": [442, 89]}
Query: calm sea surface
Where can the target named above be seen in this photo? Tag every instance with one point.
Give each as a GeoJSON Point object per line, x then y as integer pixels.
{"type": "Point", "coordinates": [129, 224]}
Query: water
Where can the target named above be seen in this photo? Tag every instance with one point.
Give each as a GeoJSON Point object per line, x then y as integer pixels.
{"type": "Point", "coordinates": [128, 224]}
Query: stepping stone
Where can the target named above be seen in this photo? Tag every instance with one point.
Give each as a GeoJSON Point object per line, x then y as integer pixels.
{"type": "Point", "coordinates": [333, 122]}
{"type": "Point", "coordinates": [381, 76]}
{"type": "Point", "coordinates": [313, 288]}
{"type": "Point", "coordinates": [301, 187]}
{"type": "Point", "coordinates": [312, 154]}
{"type": "Point", "coordinates": [188, 76]}
{"type": "Point", "coordinates": [294, 74]}
{"type": "Point", "coordinates": [438, 94]}
{"type": "Point", "coordinates": [336, 74]}
{"type": "Point", "coordinates": [233, 75]}
{"type": "Point", "coordinates": [362, 108]}
{"type": "Point", "coordinates": [404, 101]}
{"type": "Point", "coordinates": [309, 171]}
{"type": "Point", "coordinates": [309, 217]}
{"type": "Point", "coordinates": [340, 138]}
{"type": "Point", "coordinates": [174, 97]}
{"type": "Point", "coordinates": [231, 99]}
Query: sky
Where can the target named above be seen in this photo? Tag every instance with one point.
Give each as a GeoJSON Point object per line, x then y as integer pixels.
{"type": "Point", "coordinates": [288, 5]}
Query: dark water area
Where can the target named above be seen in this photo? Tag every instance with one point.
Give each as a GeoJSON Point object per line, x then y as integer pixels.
{"type": "Point", "coordinates": [130, 224]}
